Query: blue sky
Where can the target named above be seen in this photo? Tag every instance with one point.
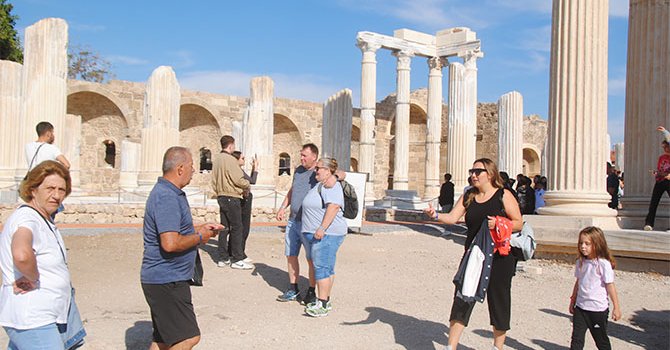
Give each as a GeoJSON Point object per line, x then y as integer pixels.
{"type": "Point", "coordinates": [308, 47]}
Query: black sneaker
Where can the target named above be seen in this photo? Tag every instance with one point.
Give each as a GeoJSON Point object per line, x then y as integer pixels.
{"type": "Point", "coordinates": [309, 298]}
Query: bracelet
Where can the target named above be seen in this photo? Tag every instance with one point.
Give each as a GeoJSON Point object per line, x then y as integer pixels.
{"type": "Point", "coordinates": [436, 215]}
{"type": "Point", "coordinates": [200, 234]}
{"type": "Point", "coordinates": [321, 228]}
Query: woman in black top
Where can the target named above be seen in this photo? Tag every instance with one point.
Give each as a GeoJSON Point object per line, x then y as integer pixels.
{"type": "Point", "coordinates": [483, 202]}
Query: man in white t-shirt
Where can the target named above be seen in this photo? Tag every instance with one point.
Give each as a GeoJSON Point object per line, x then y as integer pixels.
{"type": "Point", "coordinates": [43, 149]}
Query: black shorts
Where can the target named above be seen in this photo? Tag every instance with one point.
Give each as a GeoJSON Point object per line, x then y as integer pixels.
{"type": "Point", "coordinates": [172, 312]}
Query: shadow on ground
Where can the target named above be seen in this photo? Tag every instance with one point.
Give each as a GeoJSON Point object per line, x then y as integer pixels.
{"type": "Point", "coordinates": [138, 337]}
{"type": "Point", "coordinates": [509, 341]}
{"type": "Point", "coordinates": [277, 278]}
{"type": "Point", "coordinates": [654, 333]}
{"type": "Point", "coordinates": [409, 332]}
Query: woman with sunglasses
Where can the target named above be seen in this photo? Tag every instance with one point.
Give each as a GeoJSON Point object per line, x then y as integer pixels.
{"type": "Point", "coordinates": [484, 201]}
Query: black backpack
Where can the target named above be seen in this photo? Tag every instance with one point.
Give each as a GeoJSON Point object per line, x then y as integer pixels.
{"type": "Point", "coordinates": [350, 209]}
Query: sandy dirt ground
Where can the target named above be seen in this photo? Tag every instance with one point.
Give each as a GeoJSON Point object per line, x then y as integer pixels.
{"type": "Point", "coordinates": [393, 291]}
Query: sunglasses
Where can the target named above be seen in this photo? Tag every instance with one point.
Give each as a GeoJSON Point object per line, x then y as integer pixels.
{"type": "Point", "coordinates": [476, 171]}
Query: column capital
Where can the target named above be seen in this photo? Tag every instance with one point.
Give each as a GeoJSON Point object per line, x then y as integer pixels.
{"type": "Point", "coordinates": [367, 46]}
{"type": "Point", "coordinates": [404, 58]}
{"type": "Point", "coordinates": [470, 57]}
{"type": "Point", "coordinates": [437, 62]}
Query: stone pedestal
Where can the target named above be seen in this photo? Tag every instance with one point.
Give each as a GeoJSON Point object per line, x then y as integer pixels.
{"type": "Point", "coordinates": [401, 199]}
{"type": "Point", "coordinates": [130, 164]}
{"type": "Point", "coordinates": [647, 106]}
{"type": "Point", "coordinates": [259, 130]}
{"type": "Point", "coordinates": [401, 163]}
{"type": "Point", "coordinates": [10, 111]}
{"type": "Point", "coordinates": [578, 110]}
{"type": "Point", "coordinates": [462, 128]}
{"type": "Point", "coordinates": [44, 83]}
{"type": "Point", "coordinates": [433, 127]}
{"type": "Point", "coordinates": [368, 105]}
{"type": "Point", "coordinates": [161, 123]}
{"type": "Point", "coordinates": [510, 133]}
{"type": "Point", "coordinates": [336, 130]}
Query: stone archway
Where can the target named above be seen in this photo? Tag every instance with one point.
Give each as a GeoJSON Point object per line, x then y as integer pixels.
{"type": "Point", "coordinates": [102, 121]}
{"type": "Point", "coordinates": [198, 131]}
{"type": "Point", "coordinates": [354, 165]}
{"type": "Point", "coordinates": [286, 141]}
{"type": "Point", "coordinates": [417, 149]}
{"type": "Point", "coordinates": [355, 142]}
{"type": "Point", "coordinates": [531, 160]}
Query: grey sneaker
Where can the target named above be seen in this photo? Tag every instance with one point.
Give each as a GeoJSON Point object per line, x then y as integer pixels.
{"type": "Point", "coordinates": [223, 263]}
{"type": "Point", "coordinates": [317, 309]}
{"type": "Point", "coordinates": [329, 305]}
{"type": "Point", "coordinates": [648, 228]}
{"type": "Point", "coordinates": [241, 265]}
{"type": "Point", "coordinates": [288, 295]}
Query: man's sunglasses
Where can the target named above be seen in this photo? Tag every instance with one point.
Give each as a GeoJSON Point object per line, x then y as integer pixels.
{"type": "Point", "coordinates": [476, 171]}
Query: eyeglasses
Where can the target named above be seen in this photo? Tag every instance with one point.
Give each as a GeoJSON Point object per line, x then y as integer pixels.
{"type": "Point", "coordinates": [476, 171]}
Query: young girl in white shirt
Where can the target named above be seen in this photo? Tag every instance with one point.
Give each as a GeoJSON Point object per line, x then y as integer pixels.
{"type": "Point", "coordinates": [595, 282]}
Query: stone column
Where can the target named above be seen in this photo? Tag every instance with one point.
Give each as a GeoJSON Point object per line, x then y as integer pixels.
{"type": "Point", "coordinates": [510, 133]}
{"type": "Point", "coordinates": [336, 130]}
{"type": "Point", "coordinates": [368, 105]}
{"type": "Point", "coordinates": [618, 155]}
{"type": "Point", "coordinates": [578, 110]}
{"type": "Point", "coordinates": [401, 163]}
{"type": "Point", "coordinates": [434, 127]}
{"type": "Point", "coordinates": [130, 164]}
{"type": "Point", "coordinates": [72, 147]}
{"type": "Point", "coordinates": [461, 134]}
{"type": "Point", "coordinates": [44, 82]}
{"type": "Point", "coordinates": [647, 106]}
{"type": "Point", "coordinates": [259, 130]}
{"type": "Point", "coordinates": [161, 123]}
{"type": "Point", "coordinates": [12, 155]}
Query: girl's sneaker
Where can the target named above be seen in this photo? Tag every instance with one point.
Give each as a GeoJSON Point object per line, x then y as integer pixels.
{"type": "Point", "coordinates": [317, 309]}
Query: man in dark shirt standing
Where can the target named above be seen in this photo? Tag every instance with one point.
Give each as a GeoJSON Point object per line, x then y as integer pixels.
{"type": "Point", "coordinates": [170, 247]}
{"type": "Point", "coordinates": [446, 198]}
{"type": "Point", "coordinates": [613, 186]}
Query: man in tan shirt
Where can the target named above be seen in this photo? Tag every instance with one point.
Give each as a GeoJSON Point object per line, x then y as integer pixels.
{"type": "Point", "coordinates": [229, 183]}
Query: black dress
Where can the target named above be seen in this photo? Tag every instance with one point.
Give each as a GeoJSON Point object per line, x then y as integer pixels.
{"type": "Point", "coordinates": [502, 270]}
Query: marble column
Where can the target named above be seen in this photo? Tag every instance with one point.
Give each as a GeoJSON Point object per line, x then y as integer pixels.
{"type": "Point", "coordinates": [401, 163]}
{"type": "Point", "coordinates": [130, 164]}
{"type": "Point", "coordinates": [368, 106]}
{"type": "Point", "coordinates": [44, 82]}
{"type": "Point", "coordinates": [160, 129]}
{"type": "Point", "coordinates": [72, 147]}
{"type": "Point", "coordinates": [259, 130]}
{"type": "Point", "coordinates": [336, 130]}
{"type": "Point", "coordinates": [433, 127]}
{"type": "Point", "coordinates": [12, 155]}
{"type": "Point", "coordinates": [647, 105]}
{"type": "Point", "coordinates": [618, 155]}
{"type": "Point", "coordinates": [578, 110]}
{"type": "Point", "coordinates": [510, 133]}
{"type": "Point", "coordinates": [461, 135]}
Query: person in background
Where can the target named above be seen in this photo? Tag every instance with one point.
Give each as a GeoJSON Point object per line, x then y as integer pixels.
{"type": "Point", "coordinates": [539, 193]}
{"type": "Point", "coordinates": [43, 149]}
{"type": "Point", "coordinates": [446, 199]}
{"type": "Point", "coordinates": [247, 198]}
{"type": "Point", "coordinates": [613, 186]}
{"type": "Point", "coordinates": [662, 177]}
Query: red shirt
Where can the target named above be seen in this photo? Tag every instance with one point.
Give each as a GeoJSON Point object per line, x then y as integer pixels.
{"type": "Point", "coordinates": [663, 167]}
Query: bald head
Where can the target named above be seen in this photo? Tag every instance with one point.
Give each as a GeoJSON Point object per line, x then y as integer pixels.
{"type": "Point", "coordinates": [175, 156]}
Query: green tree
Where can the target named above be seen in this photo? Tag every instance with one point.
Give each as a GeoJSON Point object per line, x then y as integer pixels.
{"type": "Point", "coordinates": [86, 64]}
{"type": "Point", "coordinates": [10, 44]}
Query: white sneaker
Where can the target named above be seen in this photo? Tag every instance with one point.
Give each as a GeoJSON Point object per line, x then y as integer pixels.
{"type": "Point", "coordinates": [248, 260]}
{"type": "Point", "coordinates": [223, 263]}
{"type": "Point", "coordinates": [241, 265]}
{"type": "Point", "coordinates": [648, 228]}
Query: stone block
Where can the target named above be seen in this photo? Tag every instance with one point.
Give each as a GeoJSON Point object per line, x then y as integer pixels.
{"type": "Point", "coordinates": [414, 36]}
{"type": "Point", "coordinates": [454, 36]}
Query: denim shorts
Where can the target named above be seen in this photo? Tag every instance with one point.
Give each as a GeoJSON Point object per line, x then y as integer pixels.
{"type": "Point", "coordinates": [40, 338]}
{"type": "Point", "coordinates": [322, 252]}
{"type": "Point", "coordinates": [292, 239]}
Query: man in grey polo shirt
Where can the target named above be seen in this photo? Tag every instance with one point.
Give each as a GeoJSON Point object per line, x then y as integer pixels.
{"type": "Point", "coordinates": [170, 247]}
{"type": "Point", "coordinates": [304, 179]}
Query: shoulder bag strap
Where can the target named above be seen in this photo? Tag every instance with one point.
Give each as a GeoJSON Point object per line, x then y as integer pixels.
{"type": "Point", "coordinates": [62, 253]}
{"type": "Point", "coordinates": [32, 160]}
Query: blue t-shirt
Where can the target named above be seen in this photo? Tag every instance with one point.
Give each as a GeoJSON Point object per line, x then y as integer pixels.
{"type": "Point", "coordinates": [313, 209]}
{"type": "Point", "coordinates": [303, 181]}
{"type": "Point", "coordinates": [167, 210]}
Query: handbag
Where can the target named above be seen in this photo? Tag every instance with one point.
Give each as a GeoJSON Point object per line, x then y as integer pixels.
{"type": "Point", "coordinates": [73, 331]}
{"type": "Point", "coordinates": [198, 271]}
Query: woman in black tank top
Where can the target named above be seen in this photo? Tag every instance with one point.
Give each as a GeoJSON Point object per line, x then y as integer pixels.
{"type": "Point", "coordinates": [484, 201]}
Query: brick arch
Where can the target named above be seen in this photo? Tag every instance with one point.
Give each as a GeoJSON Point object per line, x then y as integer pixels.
{"type": "Point", "coordinates": [190, 100]}
{"type": "Point", "coordinates": [286, 138]}
{"type": "Point", "coordinates": [198, 129]}
{"type": "Point", "coordinates": [123, 107]}
{"type": "Point", "coordinates": [532, 160]}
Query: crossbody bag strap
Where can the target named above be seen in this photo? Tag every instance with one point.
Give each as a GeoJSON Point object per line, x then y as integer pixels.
{"type": "Point", "coordinates": [62, 253]}
{"type": "Point", "coordinates": [34, 156]}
